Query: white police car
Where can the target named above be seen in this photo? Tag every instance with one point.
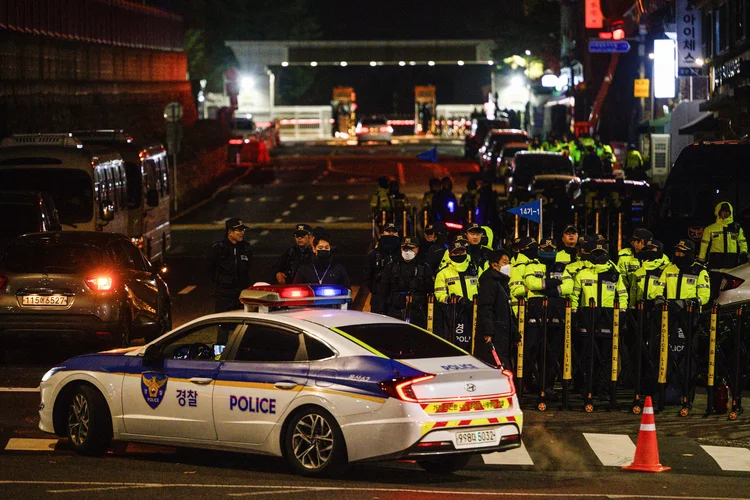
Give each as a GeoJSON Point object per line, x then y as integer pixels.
{"type": "Point", "coordinates": [322, 387]}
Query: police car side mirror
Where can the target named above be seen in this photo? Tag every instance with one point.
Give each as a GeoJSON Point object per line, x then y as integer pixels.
{"type": "Point", "coordinates": [152, 356]}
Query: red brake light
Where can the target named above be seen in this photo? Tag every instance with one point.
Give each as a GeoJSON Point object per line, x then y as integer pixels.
{"type": "Point", "coordinates": [384, 129]}
{"type": "Point", "coordinates": [728, 282]}
{"type": "Point", "coordinates": [363, 130]}
{"type": "Point", "coordinates": [618, 34]}
{"type": "Point", "coordinates": [100, 283]}
{"type": "Point", "coordinates": [453, 225]}
{"type": "Point", "coordinates": [235, 141]}
{"type": "Point", "coordinates": [400, 388]}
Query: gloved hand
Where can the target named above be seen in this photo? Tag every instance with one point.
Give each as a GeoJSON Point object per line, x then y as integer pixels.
{"type": "Point", "coordinates": [464, 302]}
{"type": "Point", "coordinates": [659, 301]}
{"type": "Point", "coordinates": [552, 283]}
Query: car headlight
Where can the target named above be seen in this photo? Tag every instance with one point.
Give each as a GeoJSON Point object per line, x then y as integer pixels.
{"type": "Point", "coordinates": [51, 372]}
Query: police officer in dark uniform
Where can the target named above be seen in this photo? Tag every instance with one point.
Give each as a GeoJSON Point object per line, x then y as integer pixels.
{"type": "Point", "coordinates": [480, 255]}
{"type": "Point", "coordinates": [429, 238]}
{"type": "Point", "coordinates": [231, 260]}
{"type": "Point", "coordinates": [296, 255]}
{"type": "Point", "coordinates": [376, 260]}
{"type": "Point", "coordinates": [437, 250]}
{"type": "Point", "coordinates": [404, 285]}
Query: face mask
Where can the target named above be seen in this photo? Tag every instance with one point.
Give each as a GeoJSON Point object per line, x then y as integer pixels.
{"type": "Point", "coordinates": [408, 255]}
{"type": "Point", "coordinates": [458, 258]}
{"type": "Point", "coordinates": [505, 269]}
{"type": "Point", "coordinates": [531, 253]}
{"type": "Point", "coordinates": [650, 255]}
{"type": "Point", "coordinates": [683, 261]}
{"type": "Point", "coordinates": [389, 241]}
{"type": "Point", "coordinates": [599, 258]}
{"type": "Point", "coordinates": [547, 256]}
{"type": "Point", "coordinates": [324, 254]}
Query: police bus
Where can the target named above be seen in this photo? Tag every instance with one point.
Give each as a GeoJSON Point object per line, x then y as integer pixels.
{"type": "Point", "coordinates": [88, 185]}
{"type": "Point", "coordinates": [148, 188]}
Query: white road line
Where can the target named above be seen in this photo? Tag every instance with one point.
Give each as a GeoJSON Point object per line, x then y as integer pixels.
{"type": "Point", "coordinates": [276, 221]}
{"type": "Point", "coordinates": [730, 458]}
{"type": "Point", "coordinates": [293, 205]}
{"type": "Point", "coordinates": [19, 389]}
{"type": "Point", "coordinates": [315, 181]}
{"type": "Point", "coordinates": [107, 488]}
{"type": "Point", "coordinates": [319, 197]}
{"type": "Point", "coordinates": [612, 450]}
{"type": "Point", "coordinates": [335, 197]}
{"type": "Point", "coordinates": [350, 197]}
{"type": "Point", "coordinates": [248, 199]}
{"type": "Point", "coordinates": [29, 444]}
{"type": "Point", "coordinates": [263, 199]}
{"type": "Point", "coordinates": [264, 232]}
{"type": "Point", "coordinates": [285, 213]}
{"type": "Point", "coordinates": [252, 242]}
{"type": "Point", "coordinates": [300, 197]}
{"type": "Point", "coordinates": [187, 290]}
{"type": "Point", "coordinates": [232, 200]}
{"type": "Point", "coordinates": [517, 456]}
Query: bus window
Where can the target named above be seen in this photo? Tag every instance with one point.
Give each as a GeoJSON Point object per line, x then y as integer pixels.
{"type": "Point", "coordinates": [134, 179]}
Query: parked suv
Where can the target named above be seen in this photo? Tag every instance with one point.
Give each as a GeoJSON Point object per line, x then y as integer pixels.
{"type": "Point", "coordinates": [90, 288]}
{"type": "Point", "coordinates": [24, 212]}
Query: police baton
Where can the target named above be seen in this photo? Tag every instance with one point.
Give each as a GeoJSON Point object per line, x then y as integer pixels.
{"type": "Point", "coordinates": [663, 355]}
{"type": "Point", "coordinates": [519, 355]}
{"type": "Point", "coordinates": [542, 401]}
{"type": "Point", "coordinates": [615, 356]}
{"type": "Point", "coordinates": [567, 358]}
{"type": "Point", "coordinates": [473, 323]}
{"type": "Point", "coordinates": [711, 361]}
{"type": "Point", "coordinates": [430, 313]}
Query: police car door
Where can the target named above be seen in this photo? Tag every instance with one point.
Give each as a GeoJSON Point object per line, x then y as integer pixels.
{"type": "Point", "coordinates": [265, 370]}
{"type": "Point", "coordinates": [171, 396]}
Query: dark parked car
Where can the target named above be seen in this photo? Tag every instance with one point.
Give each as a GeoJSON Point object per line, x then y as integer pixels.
{"type": "Point", "coordinates": [534, 169]}
{"type": "Point", "coordinates": [494, 144]}
{"type": "Point", "coordinates": [480, 127]}
{"type": "Point", "coordinates": [84, 288]}
{"type": "Point", "coordinates": [24, 212]}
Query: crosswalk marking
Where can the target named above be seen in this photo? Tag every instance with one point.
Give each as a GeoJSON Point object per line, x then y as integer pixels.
{"type": "Point", "coordinates": [612, 450]}
{"type": "Point", "coordinates": [517, 456]}
{"type": "Point", "coordinates": [28, 444]}
{"type": "Point", "coordinates": [187, 290]}
{"type": "Point", "coordinates": [730, 458]}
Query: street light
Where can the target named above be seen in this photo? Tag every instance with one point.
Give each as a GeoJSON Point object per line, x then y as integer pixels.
{"type": "Point", "coordinates": [431, 63]}
{"type": "Point", "coordinates": [528, 52]}
{"type": "Point", "coordinates": [343, 63]}
{"type": "Point", "coordinates": [247, 82]}
{"type": "Point", "coordinates": [284, 64]}
{"type": "Point", "coordinates": [314, 63]}
{"type": "Point", "coordinates": [460, 63]}
{"type": "Point", "coordinates": [402, 63]}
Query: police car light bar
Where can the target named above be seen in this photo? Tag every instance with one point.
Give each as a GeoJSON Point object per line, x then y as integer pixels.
{"type": "Point", "coordinates": [266, 296]}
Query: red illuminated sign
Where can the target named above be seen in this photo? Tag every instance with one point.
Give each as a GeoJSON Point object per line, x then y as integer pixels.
{"type": "Point", "coordinates": [594, 17]}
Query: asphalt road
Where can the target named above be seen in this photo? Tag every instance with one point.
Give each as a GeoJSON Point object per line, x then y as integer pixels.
{"type": "Point", "coordinates": [566, 454]}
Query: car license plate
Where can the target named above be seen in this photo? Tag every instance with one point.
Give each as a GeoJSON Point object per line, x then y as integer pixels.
{"type": "Point", "coordinates": [477, 438]}
{"type": "Point", "coordinates": [44, 300]}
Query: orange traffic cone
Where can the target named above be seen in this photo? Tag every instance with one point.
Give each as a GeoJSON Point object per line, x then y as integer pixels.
{"type": "Point", "coordinates": [647, 449]}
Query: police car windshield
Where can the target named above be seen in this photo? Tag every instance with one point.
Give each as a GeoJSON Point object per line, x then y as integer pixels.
{"type": "Point", "coordinates": [401, 341]}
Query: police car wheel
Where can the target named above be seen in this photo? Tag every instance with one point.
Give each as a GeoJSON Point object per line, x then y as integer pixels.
{"type": "Point", "coordinates": [314, 443]}
{"type": "Point", "coordinates": [89, 421]}
{"type": "Point", "coordinates": [445, 465]}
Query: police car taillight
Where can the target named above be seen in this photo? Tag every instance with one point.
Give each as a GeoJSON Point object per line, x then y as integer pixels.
{"type": "Point", "coordinates": [401, 388]}
{"type": "Point", "coordinates": [728, 282]}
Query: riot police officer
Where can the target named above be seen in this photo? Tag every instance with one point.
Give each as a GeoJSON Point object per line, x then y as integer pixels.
{"type": "Point", "coordinates": [231, 260]}
{"type": "Point", "coordinates": [723, 244]}
{"type": "Point", "coordinates": [296, 255]}
{"type": "Point", "coordinates": [479, 254]}
{"type": "Point", "coordinates": [404, 285]}
{"type": "Point", "coordinates": [602, 282]}
{"type": "Point", "coordinates": [376, 260]}
{"type": "Point", "coordinates": [437, 250]}
{"type": "Point", "coordinates": [457, 280]}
